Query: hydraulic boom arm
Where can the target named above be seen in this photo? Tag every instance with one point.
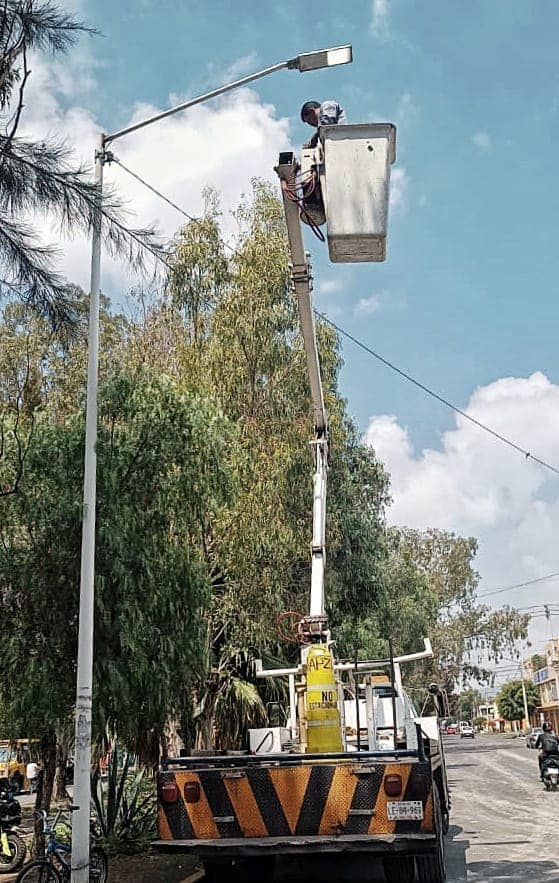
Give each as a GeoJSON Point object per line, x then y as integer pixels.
{"type": "Point", "coordinates": [302, 284]}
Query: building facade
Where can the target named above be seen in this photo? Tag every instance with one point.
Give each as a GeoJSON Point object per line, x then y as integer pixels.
{"type": "Point", "coordinates": [547, 679]}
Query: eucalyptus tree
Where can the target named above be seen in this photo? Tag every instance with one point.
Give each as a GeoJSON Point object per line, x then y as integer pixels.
{"type": "Point", "coordinates": [468, 637]}
{"type": "Point", "coordinates": [163, 473]}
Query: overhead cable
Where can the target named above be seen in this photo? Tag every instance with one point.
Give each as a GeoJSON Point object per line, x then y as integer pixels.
{"type": "Point", "coordinates": [439, 398]}
{"type": "Point", "coordinates": [359, 343]}
{"type": "Point", "coordinates": [530, 582]}
{"type": "Point", "coordinates": [162, 196]}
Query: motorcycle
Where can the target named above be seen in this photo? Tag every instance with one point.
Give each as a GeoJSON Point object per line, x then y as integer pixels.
{"type": "Point", "coordinates": [550, 772]}
{"type": "Point", "coordinates": [12, 844]}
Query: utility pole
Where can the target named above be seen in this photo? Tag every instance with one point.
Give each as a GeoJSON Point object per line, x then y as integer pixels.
{"type": "Point", "coordinates": [525, 701]}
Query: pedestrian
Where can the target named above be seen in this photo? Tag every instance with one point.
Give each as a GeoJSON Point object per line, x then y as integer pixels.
{"type": "Point", "coordinates": [327, 113]}
{"type": "Point", "coordinates": [32, 774]}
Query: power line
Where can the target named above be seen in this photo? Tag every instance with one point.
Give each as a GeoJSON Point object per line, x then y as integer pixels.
{"type": "Point", "coordinates": [158, 193]}
{"type": "Point", "coordinates": [439, 398]}
{"type": "Point", "coordinates": [162, 196]}
{"type": "Point", "coordinates": [530, 582]}
{"type": "Point", "coordinates": [340, 330]}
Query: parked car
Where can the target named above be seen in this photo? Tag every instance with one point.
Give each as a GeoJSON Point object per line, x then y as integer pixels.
{"type": "Point", "coordinates": [532, 736]}
{"type": "Point", "coordinates": [466, 731]}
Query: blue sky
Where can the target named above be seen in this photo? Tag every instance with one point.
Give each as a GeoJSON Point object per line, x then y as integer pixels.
{"type": "Point", "coordinates": [466, 301]}
{"type": "Point", "coordinates": [467, 294]}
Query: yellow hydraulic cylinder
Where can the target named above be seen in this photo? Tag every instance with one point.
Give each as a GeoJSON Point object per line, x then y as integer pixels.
{"type": "Point", "coordinates": [324, 732]}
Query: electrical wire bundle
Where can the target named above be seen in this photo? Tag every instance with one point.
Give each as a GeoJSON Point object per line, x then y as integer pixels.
{"type": "Point", "coordinates": [299, 192]}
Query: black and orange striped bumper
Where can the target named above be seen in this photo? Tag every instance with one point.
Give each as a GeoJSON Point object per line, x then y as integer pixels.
{"type": "Point", "coordinates": [334, 804]}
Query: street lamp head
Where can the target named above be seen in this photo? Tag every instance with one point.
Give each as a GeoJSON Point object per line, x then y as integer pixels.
{"type": "Point", "coordinates": [312, 61]}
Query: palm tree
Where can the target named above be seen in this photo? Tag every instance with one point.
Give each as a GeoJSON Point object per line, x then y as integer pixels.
{"type": "Point", "coordinates": [40, 176]}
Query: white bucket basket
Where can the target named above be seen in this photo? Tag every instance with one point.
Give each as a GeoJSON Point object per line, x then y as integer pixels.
{"type": "Point", "coordinates": [355, 184]}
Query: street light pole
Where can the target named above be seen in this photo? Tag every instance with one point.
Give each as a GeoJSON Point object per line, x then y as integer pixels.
{"type": "Point", "coordinates": [84, 678]}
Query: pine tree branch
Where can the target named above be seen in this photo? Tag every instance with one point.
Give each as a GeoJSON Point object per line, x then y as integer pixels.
{"type": "Point", "coordinates": [34, 178]}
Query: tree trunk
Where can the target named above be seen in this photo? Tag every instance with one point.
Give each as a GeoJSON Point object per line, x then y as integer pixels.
{"type": "Point", "coordinates": [44, 789]}
{"type": "Point", "coordinates": [60, 792]}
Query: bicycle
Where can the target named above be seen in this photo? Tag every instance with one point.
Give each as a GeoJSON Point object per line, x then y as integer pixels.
{"type": "Point", "coordinates": [55, 867]}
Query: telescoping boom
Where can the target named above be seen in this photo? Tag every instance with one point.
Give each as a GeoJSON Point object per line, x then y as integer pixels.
{"type": "Point", "coordinates": [355, 771]}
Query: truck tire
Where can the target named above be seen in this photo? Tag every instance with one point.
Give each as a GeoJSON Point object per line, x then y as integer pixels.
{"type": "Point", "coordinates": [246, 870]}
{"type": "Point", "coordinates": [256, 870]}
{"type": "Point", "coordinates": [398, 868]}
{"type": "Point", "coordinates": [218, 872]}
{"type": "Point", "coordinates": [431, 867]}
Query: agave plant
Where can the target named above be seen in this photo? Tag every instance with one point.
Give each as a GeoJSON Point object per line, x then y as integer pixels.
{"type": "Point", "coordinates": [125, 806]}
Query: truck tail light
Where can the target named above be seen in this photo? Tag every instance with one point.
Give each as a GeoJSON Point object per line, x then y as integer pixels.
{"type": "Point", "coordinates": [192, 792]}
{"type": "Point", "coordinates": [169, 792]}
{"type": "Point", "coordinates": [393, 785]}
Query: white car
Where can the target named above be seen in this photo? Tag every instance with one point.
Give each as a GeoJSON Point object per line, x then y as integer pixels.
{"type": "Point", "coordinates": [467, 731]}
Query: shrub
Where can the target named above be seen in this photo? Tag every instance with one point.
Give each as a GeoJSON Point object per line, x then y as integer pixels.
{"type": "Point", "coordinates": [125, 806]}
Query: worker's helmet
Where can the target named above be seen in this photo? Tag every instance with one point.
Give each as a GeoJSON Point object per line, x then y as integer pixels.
{"type": "Point", "coordinates": [308, 105]}
{"type": "Point", "coordinates": [547, 728]}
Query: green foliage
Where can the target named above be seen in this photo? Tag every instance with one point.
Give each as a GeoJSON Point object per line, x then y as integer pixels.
{"type": "Point", "coordinates": [538, 661]}
{"type": "Point", "coordinates": [125, 807]}
{"type": "Point", "coordinates": [204, 508]}
{"type": "Point", "coordinates": [468, 701]}
{"type": "Point", "coordinates": [510, 701]}
{"type": "Point", "coordinates": [466, 636]}
{"type": "Point", "coordinates": [162, 475]}
{"type": "Point", "coordinates": [42, 176]}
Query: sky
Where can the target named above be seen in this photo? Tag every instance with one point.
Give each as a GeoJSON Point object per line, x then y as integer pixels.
{"type": "Point", "coordinates": [466, 301]}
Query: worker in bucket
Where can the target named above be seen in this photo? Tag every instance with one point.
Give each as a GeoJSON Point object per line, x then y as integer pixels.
{"type": "Point", "coordinates": [329, 113]}
{"type": "Point", "coordinates": [315, 114]}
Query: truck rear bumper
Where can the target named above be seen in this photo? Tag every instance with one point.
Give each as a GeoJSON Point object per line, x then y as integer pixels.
{"type": "Point", "coordinates": [254, 846]}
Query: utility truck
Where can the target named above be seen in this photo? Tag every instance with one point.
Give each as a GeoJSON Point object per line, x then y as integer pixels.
{"type": "Point", "coordinates": [355, 772]}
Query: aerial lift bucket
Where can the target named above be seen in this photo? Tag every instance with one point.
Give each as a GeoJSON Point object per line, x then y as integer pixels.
{"type": "Point", "coordinates": [355, 181]}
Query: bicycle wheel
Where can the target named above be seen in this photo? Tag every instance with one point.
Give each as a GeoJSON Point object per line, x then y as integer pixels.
{"type": "Point", "coordinates": [39, 871]}
{"type": "Point", "coordinates": [98, 865]}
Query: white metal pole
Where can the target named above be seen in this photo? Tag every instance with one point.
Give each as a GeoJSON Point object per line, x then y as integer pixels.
{"type": "Point", "coordinates": [84, 685]}
{"type": "Point", "coordinates": [525, 698]}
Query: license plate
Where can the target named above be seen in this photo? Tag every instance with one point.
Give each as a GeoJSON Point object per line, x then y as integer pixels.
{"type": "Point", "coordinates": [399, 810]}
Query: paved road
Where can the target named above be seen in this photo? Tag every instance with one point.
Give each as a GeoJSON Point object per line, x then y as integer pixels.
{"type": "Point", "coordinates": [503, 823]}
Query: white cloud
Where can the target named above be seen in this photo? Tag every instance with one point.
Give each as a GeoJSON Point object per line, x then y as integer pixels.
{"type": "Point", "coordinates": [483, 141]}
{"type": "Point", "coordinates": [224, 143]}
{"type": "Point", "coordinates": [399, 189]}
{"type": "Point", "coordinates": [407, 111]}
{"type": "Point", "coordinates": [366, 306]}
{"type": "Point", "coordinates": [331, 286]}
{"type": "Point", "coordinates": [475, 485]}
{"type": "Point", "coordinates": [380, 23]}
{"type": "Point", "coordinates": [240, 68]}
